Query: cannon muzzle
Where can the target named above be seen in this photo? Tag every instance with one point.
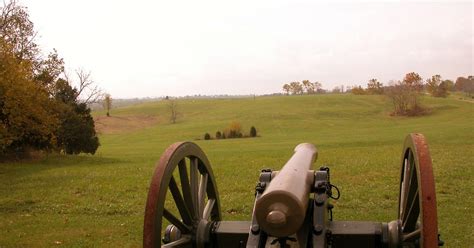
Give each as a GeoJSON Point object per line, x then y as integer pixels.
{"type": "Point", "coordinates": [282, 207]}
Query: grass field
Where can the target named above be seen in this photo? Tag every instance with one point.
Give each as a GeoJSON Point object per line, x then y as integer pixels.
{"type": "Point", "coordinates": [95, 201]}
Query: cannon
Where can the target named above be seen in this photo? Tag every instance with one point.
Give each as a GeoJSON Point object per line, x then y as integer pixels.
{"type": "Point", "coordinates": [292, 206]}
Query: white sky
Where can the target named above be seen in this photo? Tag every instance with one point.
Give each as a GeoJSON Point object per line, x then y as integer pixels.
{"type": "Point", "coordinates": [155, 48]}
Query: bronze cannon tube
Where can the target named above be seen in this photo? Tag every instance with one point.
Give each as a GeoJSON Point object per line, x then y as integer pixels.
{"type": "Point", "coordinates": [282, 207]}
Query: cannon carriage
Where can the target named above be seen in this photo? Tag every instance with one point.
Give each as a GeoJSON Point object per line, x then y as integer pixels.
{"type": "Point", "coordinates": [292, 206]}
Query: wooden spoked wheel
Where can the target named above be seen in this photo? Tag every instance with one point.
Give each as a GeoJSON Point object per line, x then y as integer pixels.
{"type": "Point", "coordinates": [185, 217]}
{"type": "Point", "coordinates": [417, 199]}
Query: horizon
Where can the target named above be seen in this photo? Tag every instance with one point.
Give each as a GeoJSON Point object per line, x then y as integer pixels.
{"type": "Point", "coordinates": [211, 48]}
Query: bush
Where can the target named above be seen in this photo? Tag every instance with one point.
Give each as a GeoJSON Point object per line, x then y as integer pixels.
{"type": "Point", "coordinates": [253, 132]}
{"type": "Point", "coordinates": [218, 135]}
{"type": "Point", "coordinates": [234, 130]}
{"type": "Point", "coordinates": [207, 136]}
{"type": "Point", "coordinates": [405, 100]}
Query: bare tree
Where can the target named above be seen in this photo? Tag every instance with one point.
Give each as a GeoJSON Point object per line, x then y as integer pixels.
{"type": "Point", "coordinates": [88, 91]}
{"type": "Point", "coordinates": [173, 106]}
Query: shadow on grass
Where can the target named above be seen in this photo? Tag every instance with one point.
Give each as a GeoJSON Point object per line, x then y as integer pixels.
{"type": "Point", "coordinates": [53, 161]}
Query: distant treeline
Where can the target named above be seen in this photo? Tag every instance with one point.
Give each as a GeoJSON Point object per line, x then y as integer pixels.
{"type": "Point", "coordinates": [404, 93]}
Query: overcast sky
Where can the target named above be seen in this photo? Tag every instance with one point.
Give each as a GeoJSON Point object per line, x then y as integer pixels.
{"type": "Point", "coordinates": [155, 48]}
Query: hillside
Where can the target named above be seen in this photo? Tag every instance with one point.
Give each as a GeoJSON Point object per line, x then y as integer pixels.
{"type": "Point", "coordinates": [99, 200]}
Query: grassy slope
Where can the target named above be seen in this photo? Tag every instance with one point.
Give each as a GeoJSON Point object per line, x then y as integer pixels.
{"type": "Point", "coordinates": [99, 200]}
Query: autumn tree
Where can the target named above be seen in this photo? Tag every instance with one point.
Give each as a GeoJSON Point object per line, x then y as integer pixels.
{"type": "Point", "coordinates": [413, 85]}
{"type": "Point", "coordinates": [36, 104]}
{"type": "Point", "coordinates": [17, 31]}
{"type": "Point", "coordinates": [107, 102]}
{"type": "Point", "coordinates": [27, 116]}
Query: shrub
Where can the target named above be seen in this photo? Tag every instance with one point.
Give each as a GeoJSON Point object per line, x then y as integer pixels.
{"type": "Point", "coordinates": [207, 136]}
{"type": "Point", "coordinates": [253, 132]}
{"type": "Point", "coordinates": [234, 130]}
{"type": "Point", "coordinates": [405, 100]}
{"type": "Point", "coordinates": [218, 135]}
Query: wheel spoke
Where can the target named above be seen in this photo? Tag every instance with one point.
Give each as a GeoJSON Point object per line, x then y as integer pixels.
{"type": "Point", "coordinates": [410, 186]}
{"type": "Point", "coordinates": [404, 187]}
{"type": "Point", "coordinates": [194, 185]}
{"type": "Point", "coordinates": [412, 236]}
{"type": "Point", "coordinates": [411, 207]}
{"type": "Point", "coordinates": [202, 193]}
{"type": "Point", "coordinates": [411, 217]}
{"type": "Point", "coordinates": [178, 199]}
{"type": "Point", "coordinates": [208, 209]}
{"type": "Point", "coordinates": [183, 175]}
{"type": "Point", "coordinates": [175, 221]}
{"type": "Point", "coordinates": [186, 239]}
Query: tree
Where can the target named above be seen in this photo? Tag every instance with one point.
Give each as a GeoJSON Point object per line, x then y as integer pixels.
{"type": "Point", "coordinates": [318, 87]}
{"type": "Point", "coordinates": [17, 31]}
{"type": "Point", "coordinates": [358, 90]}
{"type": "Point", "coordinates": [87, 92]}
{"type": "Point", "coordinates": [465, 85]}
{"type": "Point", "coordinates": [413, 85]}
{"type": "Point", "coordinates": [76, 132]}
{"type": "Point", "coordinates": [443, 88]}
{"type": "Point", "coordinates": [253, 132]}
{"type": "Point", "coordinates": [449, 84]}
{"type": "Point", "coordinates": [374, 87]}
{"type": "Point", "coordinates": [286, 88]}
{"type": "Point", "coordinates": [404, 99]}
{"type": "Point", "coordinates": [437, 87]}
{"type": "Point", "coordinates": [336, 90]}
{"type": "Point", "coordinates": [173, 107]}
{"type": "Point", "coordinates": [308, 86]}
{"type": "Point", "coordinates": [27, 116]}
{"type": "Point", "coordinates": [107, 102]}
{"type": "Point", "coordinates": [38, 109]}
{"type": "Point", "coordinates": [296, 88]}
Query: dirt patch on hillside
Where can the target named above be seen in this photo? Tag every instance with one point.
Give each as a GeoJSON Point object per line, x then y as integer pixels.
{"type": "Point", "coordinates": [123, 124]}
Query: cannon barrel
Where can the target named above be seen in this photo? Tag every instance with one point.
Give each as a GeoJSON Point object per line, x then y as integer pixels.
{"type": "Point", "coordinates": [281, 209]}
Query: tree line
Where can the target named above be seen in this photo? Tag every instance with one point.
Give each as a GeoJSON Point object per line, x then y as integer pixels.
{"type": "Point", "coordinates": [435, 86]}
{"type": "Point", "coordinates": [40, 109]}
{"type": "Point", "coordinates": [297, 88]}
{"type": "Point", "coordinates": [403, 93]}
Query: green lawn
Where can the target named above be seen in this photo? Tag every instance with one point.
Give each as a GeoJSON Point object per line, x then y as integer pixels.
{"type": "Point", "coordinates": [99, 200]}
